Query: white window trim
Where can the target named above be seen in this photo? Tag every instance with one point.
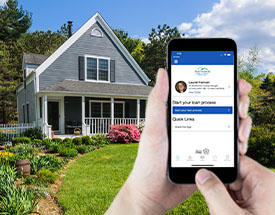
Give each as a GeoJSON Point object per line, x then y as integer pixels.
{"type": "Point", "coordinates": [101, 109]}
{"type": "Point", "coordinates": [97, 69]}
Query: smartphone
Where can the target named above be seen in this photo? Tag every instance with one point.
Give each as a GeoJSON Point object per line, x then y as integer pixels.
{"type": "Point", "coordinates": [202, 106]}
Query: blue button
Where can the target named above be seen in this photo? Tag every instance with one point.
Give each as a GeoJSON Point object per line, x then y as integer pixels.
{"type": "Point", "coordinates": [203, 110]}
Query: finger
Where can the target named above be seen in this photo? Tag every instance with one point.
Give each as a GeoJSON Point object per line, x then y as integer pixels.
{"type": "Point", "coordinates": [156, 106]}
{"type": "Point", "coordinates": [244, 87]}
{"type": "Point", "coordinates": [243, 106]}
{"type": "Point", "coordinates": [215, 193]}
{"type": "Point", "coordinates": [243, 133]}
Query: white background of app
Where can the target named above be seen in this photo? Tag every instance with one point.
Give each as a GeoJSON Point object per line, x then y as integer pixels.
{"type": "Point", "coordinates": [195, 134]}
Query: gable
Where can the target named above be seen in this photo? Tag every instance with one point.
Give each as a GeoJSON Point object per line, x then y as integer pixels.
{"type": "Point", "coordinates": [65, 66]}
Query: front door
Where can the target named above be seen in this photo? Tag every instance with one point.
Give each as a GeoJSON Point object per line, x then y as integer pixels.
{"type": "Point", "coordinates": [53, 115]}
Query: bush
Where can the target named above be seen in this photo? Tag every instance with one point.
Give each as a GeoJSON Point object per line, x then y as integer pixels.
{"type": "Point", "coordinates": [52, 163]}
{"type": "Point", "coordinates": [33, 133]}
{"type": "Point", "coordinates": [77, 141]}
{"type": "Point", "coordinates": [22, 150]}
{"type": "Point", "coordinates": [57, 140]}
{"type": "Point", "coordinates": [67, 152]}
{"type": "Point", "coordinates": [3, 139]}
{"type": "Point", "coordinates": [37, 141]}
{"type": "Point", "coordinates": [19, 140]}
{"type": "Point", "coordinates": [67, 140]}
{"type": "Point", "coordinates": [47, 176]}
{"type": "Point", "coordinates": [52, 147]}
{"type": "Point", "coordinates": [262, 145]}
{"type": "Point", "coordinates": [124, 133]}
{"type": "Point", "coordinates": [34, 180]}
{"type": "Point", "coordinates": [82, 149]}
{"type": "Point", "coordinates": [99, 140]}
{"type": "Point", "coordinates": [86, 140]}
{"type": "Point", "coordinates": [45, 141]}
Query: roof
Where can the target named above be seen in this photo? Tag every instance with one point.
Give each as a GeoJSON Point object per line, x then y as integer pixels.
{"type": "Point", "coordinates": [71, 86]}
{"type": "Point", "coordinates": [95, 18]}
{"type": "Point", "coordinates": [36, 59]}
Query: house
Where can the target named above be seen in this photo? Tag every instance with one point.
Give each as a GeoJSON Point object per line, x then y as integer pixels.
{"type": "Point", "coordinates": [90, 82]}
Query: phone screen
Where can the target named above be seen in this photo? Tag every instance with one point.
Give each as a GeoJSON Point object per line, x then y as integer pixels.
{"type": "Point", "coordinates": [202, 114]}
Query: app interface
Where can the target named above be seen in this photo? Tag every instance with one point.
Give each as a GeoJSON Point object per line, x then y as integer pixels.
{"type": "Point", "coordinates": [202, 115]}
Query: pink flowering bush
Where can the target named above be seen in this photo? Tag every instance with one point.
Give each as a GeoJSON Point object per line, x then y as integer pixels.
{"type": "Point", "coordinates": [124, 133]}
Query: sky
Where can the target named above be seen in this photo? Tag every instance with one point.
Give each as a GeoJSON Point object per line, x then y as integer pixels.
{"type": "Point", "coordinates": [248, 22]}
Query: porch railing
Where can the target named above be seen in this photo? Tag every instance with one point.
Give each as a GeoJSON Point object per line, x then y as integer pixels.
{"type": "Point", "coordinates": [102, 125]}
{"type": "Point", "coordinates": [8, 131]}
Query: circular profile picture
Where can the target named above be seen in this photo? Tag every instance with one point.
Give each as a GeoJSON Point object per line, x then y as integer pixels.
{"type": "Point", "coordinates": [181, 87]}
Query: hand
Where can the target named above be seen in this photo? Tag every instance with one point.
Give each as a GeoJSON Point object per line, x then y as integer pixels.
{"type": "Point", "coordinates": [148, 190]}
{"type": "Point", "coordinates": [252, 193]}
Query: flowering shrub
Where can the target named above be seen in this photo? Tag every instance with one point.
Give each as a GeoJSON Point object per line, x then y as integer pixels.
{"type": "Point", "coordinates": [124, 133]}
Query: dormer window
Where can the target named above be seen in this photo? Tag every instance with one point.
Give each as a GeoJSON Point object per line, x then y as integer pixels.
{"type": "Point", "coordinates": [97, 68]}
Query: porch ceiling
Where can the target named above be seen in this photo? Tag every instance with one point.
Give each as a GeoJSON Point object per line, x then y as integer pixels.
{"type": "Point", "coordinates": [70, 86]}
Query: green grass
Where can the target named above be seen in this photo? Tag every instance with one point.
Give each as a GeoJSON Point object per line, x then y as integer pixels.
{"type": "Point", "coordinates": [92, 182]}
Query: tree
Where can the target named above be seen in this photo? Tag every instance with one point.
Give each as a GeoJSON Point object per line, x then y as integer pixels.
{"type": "Point", "coordinates": [155, 51]}
{"type": "Point", "coordinates": [41, 42]}
{"type": "Point", "coordinates": [248, 70]}
{"type": "Point", "coordinates": [134, 46]}
{"type": "Point", "coordinates": [13, 21]}
{"type": "Point", "coordinates": [64, 31]}
{"type": "Point", "coordinates": [10, 65]}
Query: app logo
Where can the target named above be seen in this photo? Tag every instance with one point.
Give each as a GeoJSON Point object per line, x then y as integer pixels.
{"type": "Point", "coordinates": [202, 71]}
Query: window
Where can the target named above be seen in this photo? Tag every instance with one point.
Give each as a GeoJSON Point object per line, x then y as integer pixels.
{"type": "Point", "coordinates": [92, 68]}
{"type": "Point", "coordinates": [28, 116]}
{"type": "Point", "coordinates": [40, 107]}
{"type": "Point", "coordinates": [103, 70]}
{"type": "Point", "coordinates": [103, 109]}
{"type": "Point", "coordinates": [96, 32]}
{"type": "Point", "coordinates": [98, 69]}
{"type": "Point", "coordinates": [118, 110]}
{"type": "Point", "coordinates": [24, 114]}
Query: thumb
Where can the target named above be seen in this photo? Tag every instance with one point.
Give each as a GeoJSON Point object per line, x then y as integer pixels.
{"type": "Point", "coordinates": [215, 193]}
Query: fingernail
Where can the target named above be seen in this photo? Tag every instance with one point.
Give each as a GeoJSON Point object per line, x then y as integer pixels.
{"type": "Point", "coordinates": [244, 146]}
{"type": "Point", "coordinates": [247, 131]}
{"type": "Point", "coordinates": [203, 175]}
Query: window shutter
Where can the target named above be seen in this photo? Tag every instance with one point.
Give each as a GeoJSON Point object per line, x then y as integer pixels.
{"type": "Point", "coordinates": [81, 67]}
{"type": "Point", "coordinates": [112, 70]}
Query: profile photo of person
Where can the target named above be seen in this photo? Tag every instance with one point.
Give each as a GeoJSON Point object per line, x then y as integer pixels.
{"type": "Point", "coordinates": [181, 87]}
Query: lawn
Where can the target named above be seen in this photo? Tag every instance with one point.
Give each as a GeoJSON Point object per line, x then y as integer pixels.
{"type": "Point", "coordinates": [93, 180]}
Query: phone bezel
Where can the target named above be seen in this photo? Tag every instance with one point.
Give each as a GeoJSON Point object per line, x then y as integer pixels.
{"type": "Point", "coordinates": [186, 175]}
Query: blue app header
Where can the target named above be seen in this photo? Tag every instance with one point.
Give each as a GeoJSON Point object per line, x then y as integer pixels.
{"type": "Point", "coordinates": [202, 58]}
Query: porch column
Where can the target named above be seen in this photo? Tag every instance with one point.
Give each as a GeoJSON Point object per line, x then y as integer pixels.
{"type": "Point", "coordinates": [112, 110]}
{"type": "Point", "coordinates": [45, 109]}
{"type": "Point", "coordinates": [83, 109]}
{"type": "Point", "coordinates": [138, 111]}
{"type": "Point", "coordinates": [45, 115]}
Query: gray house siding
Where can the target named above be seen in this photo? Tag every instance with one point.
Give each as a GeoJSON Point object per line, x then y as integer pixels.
{"type": "Point", "coordinates": [66, 65]}
{"type": "Point", "coordinates": [26, 96]}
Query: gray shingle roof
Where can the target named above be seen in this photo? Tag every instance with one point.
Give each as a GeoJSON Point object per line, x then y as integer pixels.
{"type": "Point", "coordinates": [71, 86]}
{"type": "Point", "coordinates": [36, 59]}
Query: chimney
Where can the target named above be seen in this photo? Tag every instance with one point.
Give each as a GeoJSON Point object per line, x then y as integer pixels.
{"type": "Point", "coordinates": [70, 24]}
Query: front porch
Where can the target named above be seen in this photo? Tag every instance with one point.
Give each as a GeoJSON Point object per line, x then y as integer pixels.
{"type": "Point", "coordinates": [91, 115]}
